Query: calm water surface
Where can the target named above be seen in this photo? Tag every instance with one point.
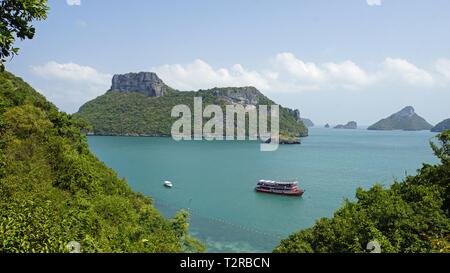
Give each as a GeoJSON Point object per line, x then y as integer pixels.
{"type": "Point", "coordinates": [215, 180]}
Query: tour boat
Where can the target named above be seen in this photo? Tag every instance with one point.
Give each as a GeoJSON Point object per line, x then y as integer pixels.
{"type": "Point", "coordinates": [279, 187]}
{"type": "Point", "coordinates": [168, 184]}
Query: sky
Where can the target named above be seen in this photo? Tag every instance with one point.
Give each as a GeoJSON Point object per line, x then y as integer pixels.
{"type": "Point", "coordinates": [335, 61]}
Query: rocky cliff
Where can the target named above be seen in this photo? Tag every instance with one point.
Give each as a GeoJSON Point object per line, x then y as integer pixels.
{"type": "Point", "coordinates": [248, 95]}
{"type": "Point", "coordinates": [146, 83]}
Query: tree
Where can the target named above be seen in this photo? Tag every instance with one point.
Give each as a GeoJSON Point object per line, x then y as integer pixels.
{"type": "Point", "coordinates": [15, 22]}
{"type": "Point", "coordinates": [442, 151]}
{"type": "Point", "coordinates": [410, 216]}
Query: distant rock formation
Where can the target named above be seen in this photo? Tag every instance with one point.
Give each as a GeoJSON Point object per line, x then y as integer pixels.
{"type": "Point", "coordinates": [147, 83]}
{"type": "Point", "coordinates": [308, 122]}
{"type": "Point", "coordinates": [441, 126]}
{"type": "Point", "coordinates": [406, 119]}
{"type": "Point", "coordinates": [327, 125]}
{"type": "Point", "coordinates": [286, 140]}
{"type": "Point", "coordinates": [349, 125]}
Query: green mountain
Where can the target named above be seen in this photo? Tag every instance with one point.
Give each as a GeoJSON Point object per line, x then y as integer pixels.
{"type": "Point", "coordinates": [412, 216]}
{"type": "Point", "coordinates": [140, 104]}
{"type": "Point", "coordinates": [441, 126]}
{"type": "Point", "coordinates": [406, 119]}
{"type": "Point", "coordinates": [53, 190]}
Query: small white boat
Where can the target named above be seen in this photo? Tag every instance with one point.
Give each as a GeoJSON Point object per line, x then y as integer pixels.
{"type": "Point", "coordinates": [168, 184]}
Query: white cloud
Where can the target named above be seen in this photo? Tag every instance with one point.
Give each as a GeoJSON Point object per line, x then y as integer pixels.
{"type": "Point", "coordinates": [71, 72]}
{"type": "Point", "coordinates": [199, 74]}
{"type": "Point", "coordinates": [442, 66]}
{"type": "Point", "coordinates": [287, 73]}
{"type": "Point", "coordinates": [287, 62]}
{"type": "Point", "coordinates": [347, 74]}
{"type": "Point", "coordinates": [69, 85]}
{"type": "Point", "coordinates": [402, 71]}
{"type": "Point", "coordinates": [309, 75]}
{"type": "Point", "coordinates": [73, 2]}
{"type": "Point", "coordinates": [373, 2]}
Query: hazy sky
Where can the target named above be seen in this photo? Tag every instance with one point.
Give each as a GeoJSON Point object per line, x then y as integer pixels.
{"type": "Point", "coordinates": [334, 60]}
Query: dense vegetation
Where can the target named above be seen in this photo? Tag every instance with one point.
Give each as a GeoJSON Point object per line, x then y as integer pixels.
{"type": "Point", "coordinates": [53, 190]}
{"type": "Point", "coordinates": [132, 113]}
{"type": "Point", "coordinates": [441, 126]}
{"type": "Point", "coordinates": [410, 216]}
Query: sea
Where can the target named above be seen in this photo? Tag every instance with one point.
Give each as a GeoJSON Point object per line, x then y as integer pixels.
{"type": "Point", "coordinates": [215, 180]}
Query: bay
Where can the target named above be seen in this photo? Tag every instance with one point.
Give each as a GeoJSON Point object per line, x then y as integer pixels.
{"type": "Point", "coordinates": [215, 180]}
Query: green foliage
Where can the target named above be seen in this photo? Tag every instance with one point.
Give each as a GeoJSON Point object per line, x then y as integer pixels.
{"type": "Point", "coordinates": [410, 216]}
{"type": "Point", "coordinates": [53, 190]}
{"type": "Point", "coordinates": [15, 22]}
{"type": "Point", "coordinates": [443, 150]}
{"type": "Point", "coordinates": [116, 113]}
{"type": "Point", "coordinates": [180, 224]}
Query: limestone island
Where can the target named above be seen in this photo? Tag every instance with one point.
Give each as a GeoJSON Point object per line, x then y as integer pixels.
{"type": "Point", "coordinates": [349, 125]}
{"type": "Point", "coordinates": [140, 104]}
{"type": "Point", "coordinates": [406, 119]}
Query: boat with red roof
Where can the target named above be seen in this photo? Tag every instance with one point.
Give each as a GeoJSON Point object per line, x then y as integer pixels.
{"type": "Point", "coordinates": [279, 187]}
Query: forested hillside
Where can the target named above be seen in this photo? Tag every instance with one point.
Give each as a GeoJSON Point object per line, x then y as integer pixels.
{"type": "Point", "coordinates": [410, 216]}
{"type": "Point", "coordinates": [53, 190]}
{"type": "Point", "coordinates": [135, 113]}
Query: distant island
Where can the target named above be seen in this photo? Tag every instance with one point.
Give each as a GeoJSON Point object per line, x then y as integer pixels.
{"type": "Point", "coordinates": [441, 126]}
{"type": "Point", "coordinates": [349, 125]}
{"type": "Point", "coordinates": [327, 125]}
{"type": "Point", "coordinates": [140, 104]}
{"type": "Point", "coordinates": [308, 122]}
{"type": "Point", "coordinates": [406, 119]}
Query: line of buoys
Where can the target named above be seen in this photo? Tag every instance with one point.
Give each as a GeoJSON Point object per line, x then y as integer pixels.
{"type": "Point", "coordinates": [159, 202]}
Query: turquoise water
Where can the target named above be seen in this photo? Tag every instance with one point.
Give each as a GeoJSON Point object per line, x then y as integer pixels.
{"type": "Point", "coordinates": [215, 180]}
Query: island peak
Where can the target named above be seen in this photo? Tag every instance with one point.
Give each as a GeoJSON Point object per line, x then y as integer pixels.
{"type": "Point", "coordinates": [405, 119]}
{"type": "Point", "coordinates": [147, 83]}
{"type": "Point", "coordinates": [408, 111]}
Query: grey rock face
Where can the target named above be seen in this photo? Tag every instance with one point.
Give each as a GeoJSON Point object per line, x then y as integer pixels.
{"type": "Point", "coordinates": [297, 115]}
{"type": "Point", "coordinates": [408, 111]}
{"type": "Point", "coordinates": [241, 95]}
{"type": "Point", "coordinates": [147, 83]}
